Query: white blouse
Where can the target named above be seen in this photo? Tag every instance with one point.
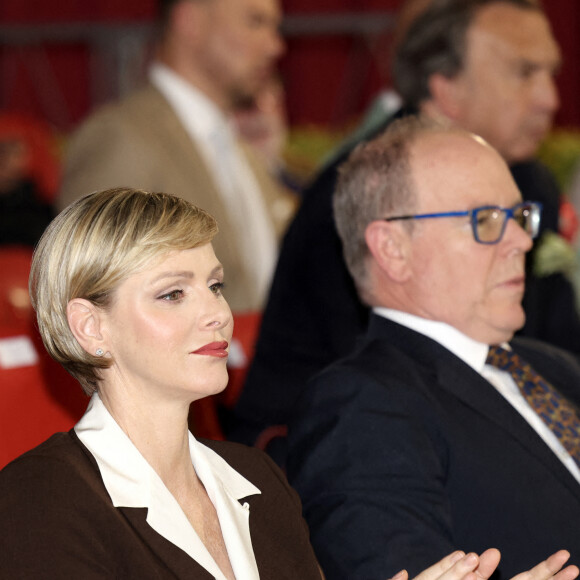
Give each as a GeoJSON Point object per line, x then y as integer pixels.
{"type": "Point", "coordinates": [132, 482]}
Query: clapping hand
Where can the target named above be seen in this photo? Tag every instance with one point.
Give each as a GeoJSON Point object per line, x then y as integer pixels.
{"type": "Point", "coordinates": [461, 566]}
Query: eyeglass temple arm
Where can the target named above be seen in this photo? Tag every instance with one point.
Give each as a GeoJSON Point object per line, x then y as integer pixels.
{"type": "Point", "coordinates": [428, 215]}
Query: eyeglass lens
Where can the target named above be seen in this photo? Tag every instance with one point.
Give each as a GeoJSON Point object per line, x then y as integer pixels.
{"type": "Point", "coordinates": [490, 222]}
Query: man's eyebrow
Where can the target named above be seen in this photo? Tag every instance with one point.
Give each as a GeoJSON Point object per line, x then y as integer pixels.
{"type": "Point", "coordinates": [536, 64]}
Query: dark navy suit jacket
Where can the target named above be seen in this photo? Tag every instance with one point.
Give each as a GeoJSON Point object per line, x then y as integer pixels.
{"type": "Point", "coordinates": [402, 453]}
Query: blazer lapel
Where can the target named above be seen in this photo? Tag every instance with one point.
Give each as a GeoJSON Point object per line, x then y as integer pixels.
{"type": "Point", "coordinates": [198, 187]}
{"type": "Point", "coordinates": [175, 140]}
{"type": "Point", "coordinates": [484, 399]}
{"type": "Point", "coordinates": [459, 379]}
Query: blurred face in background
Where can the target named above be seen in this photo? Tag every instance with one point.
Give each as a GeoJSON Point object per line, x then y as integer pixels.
{"type": "Point", "coordinates": [239, 47]}
{"type": "Point", "coordinates": [506, 91]}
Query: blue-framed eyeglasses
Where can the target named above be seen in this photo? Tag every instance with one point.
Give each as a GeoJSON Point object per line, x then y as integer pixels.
{"type": "Point", "coordinates": [489, 221]}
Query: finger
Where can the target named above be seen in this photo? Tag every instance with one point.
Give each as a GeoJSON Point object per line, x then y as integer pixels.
{"type": "Point", "coordinates": [402, 575]}
{"type": "Point", "coordinates": [433, 572]}
{"type": "Point", "coordinates": [488, 562]}
{"type": "Point", "coordinates": [568, 573]}
{"type": "Point", "coordinates": [453, 567]}
{"type": "Point", "coordinates": [550, 567]}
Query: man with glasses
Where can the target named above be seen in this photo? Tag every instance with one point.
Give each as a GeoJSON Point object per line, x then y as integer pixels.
{"type": "Point", "coordinates": [437, 431]}
{"type": "Point", "coordinates": [487, 66]}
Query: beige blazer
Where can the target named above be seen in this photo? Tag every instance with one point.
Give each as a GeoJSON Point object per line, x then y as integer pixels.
{"type": "Point", "coordinates": [139, 142]}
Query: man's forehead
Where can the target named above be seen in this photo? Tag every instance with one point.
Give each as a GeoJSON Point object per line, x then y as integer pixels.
{"type": "Point", "coordinates": [514, 33]}
{"type": "Point", "coordinates": [459, 169]}
{"type": "Point", "coordinates": [270, 8]}
{"type": "Point", "coordinates": [445, 147]}
{"type": "Point", "coordinates": [442, 156]}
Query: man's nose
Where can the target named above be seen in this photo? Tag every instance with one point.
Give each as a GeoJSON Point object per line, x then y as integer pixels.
{"type": "Point", "coordinates": [546, 95]}
{"type": "Point", "coordinates": [277, 44]}
{"type": "Point", "coordinates": [516, 236]}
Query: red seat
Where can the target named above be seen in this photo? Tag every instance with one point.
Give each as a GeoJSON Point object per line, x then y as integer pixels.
{"type": "Point", "coordinates": [246, 327]}
{"type": "Point", "coordinates": [37, 396]}
{"type": "Point", "coordinates": [43, 158]}
{"type": "Point", "coordinates": [15, 309]}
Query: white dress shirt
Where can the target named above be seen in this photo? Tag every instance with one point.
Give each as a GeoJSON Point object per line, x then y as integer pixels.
{"type": "Point", "coordinates": [211, 131]}
{"type": "Point", "coordinates": [474, 354]}
{"type": "Point", "coordinates": [132, 482]}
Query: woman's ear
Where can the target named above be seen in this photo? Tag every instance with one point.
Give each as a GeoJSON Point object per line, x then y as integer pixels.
{"type": "Point", "coordinates": [390, 245]}
{"type": "Point", "coordinates": [84, 320]}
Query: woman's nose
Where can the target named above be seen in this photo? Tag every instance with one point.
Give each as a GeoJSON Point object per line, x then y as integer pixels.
{"type": "Point", "coordinates": [218, 313]}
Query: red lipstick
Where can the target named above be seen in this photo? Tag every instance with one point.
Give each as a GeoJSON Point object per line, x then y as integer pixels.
{"type": "Point", "coordinates": [217, 349]}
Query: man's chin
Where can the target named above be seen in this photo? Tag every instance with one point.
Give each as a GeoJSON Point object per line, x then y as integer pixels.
{"type": "Point", "coordinates": [523, 153]}
{"type": "Point", "coordinates": [508, 323]}
{"type": "Point", "coordinates": [244, 96]}
{"type": "Point", "coordinates": [513, 325]}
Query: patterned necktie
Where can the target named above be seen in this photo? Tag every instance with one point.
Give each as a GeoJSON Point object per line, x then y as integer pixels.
{"type": "Point", "coordinates": [559, 414]}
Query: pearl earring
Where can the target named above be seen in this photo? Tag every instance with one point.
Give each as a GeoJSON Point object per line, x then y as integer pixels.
{"type": "Point", "coordinates": [99, 352]}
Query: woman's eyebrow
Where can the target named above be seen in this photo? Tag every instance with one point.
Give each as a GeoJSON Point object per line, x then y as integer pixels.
{"type": "Point", "coordinates": [173, 274]}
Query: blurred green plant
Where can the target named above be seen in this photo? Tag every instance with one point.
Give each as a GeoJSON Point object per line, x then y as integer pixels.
{"type": "Point", "coordinates": [307, 147]}
{"type": "Point", "coordinates": [554, 254]}
{"type": "Point", "coordinates": [560, 151]}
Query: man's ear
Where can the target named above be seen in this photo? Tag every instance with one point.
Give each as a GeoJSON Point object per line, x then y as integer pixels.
{"type": "Point", "coordinates": [447, 96]}
{"type": "Point", "coordinates": [390, 245]}
{"type": "Point", "coordinates": [84, 320]}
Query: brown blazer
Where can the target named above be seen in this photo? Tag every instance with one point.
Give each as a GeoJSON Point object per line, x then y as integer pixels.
{"type": "Point", "coordinates": [140, 142]}
{"type": "Point", "coordinates": [57, 521]}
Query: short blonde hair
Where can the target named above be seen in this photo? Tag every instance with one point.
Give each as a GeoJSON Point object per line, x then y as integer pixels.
{"type": "Point", "coordinates": [91, 247]}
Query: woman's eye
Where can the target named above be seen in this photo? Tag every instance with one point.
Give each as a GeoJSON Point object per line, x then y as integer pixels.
{"type": "Point", "coordinates": [172, 296]}
{"type": "Point", "coordinates": [217, 288]}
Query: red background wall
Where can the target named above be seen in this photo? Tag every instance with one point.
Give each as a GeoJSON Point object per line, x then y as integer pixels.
{"type": "Point", "coordinates": [329, 78]}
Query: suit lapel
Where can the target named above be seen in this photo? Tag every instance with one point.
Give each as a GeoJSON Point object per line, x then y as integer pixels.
{"type": "Point", "coordinates": [175, 140]}
{"type": "Point", "coordinates": [468, 386]}
{"type": "Point", "coordinates": [477, 393]}
{"type": "Point", "coordinates": [199, 188]}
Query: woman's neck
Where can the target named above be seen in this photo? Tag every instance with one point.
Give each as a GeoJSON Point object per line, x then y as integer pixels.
{"type": "Point", "coordinates": [158, 428]}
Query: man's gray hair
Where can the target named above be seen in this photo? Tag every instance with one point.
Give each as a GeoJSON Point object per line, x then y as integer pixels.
{"type": "Point", "coordinates": [375, 182]}
{"type": "Point", "coordinates": [435, 43]}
